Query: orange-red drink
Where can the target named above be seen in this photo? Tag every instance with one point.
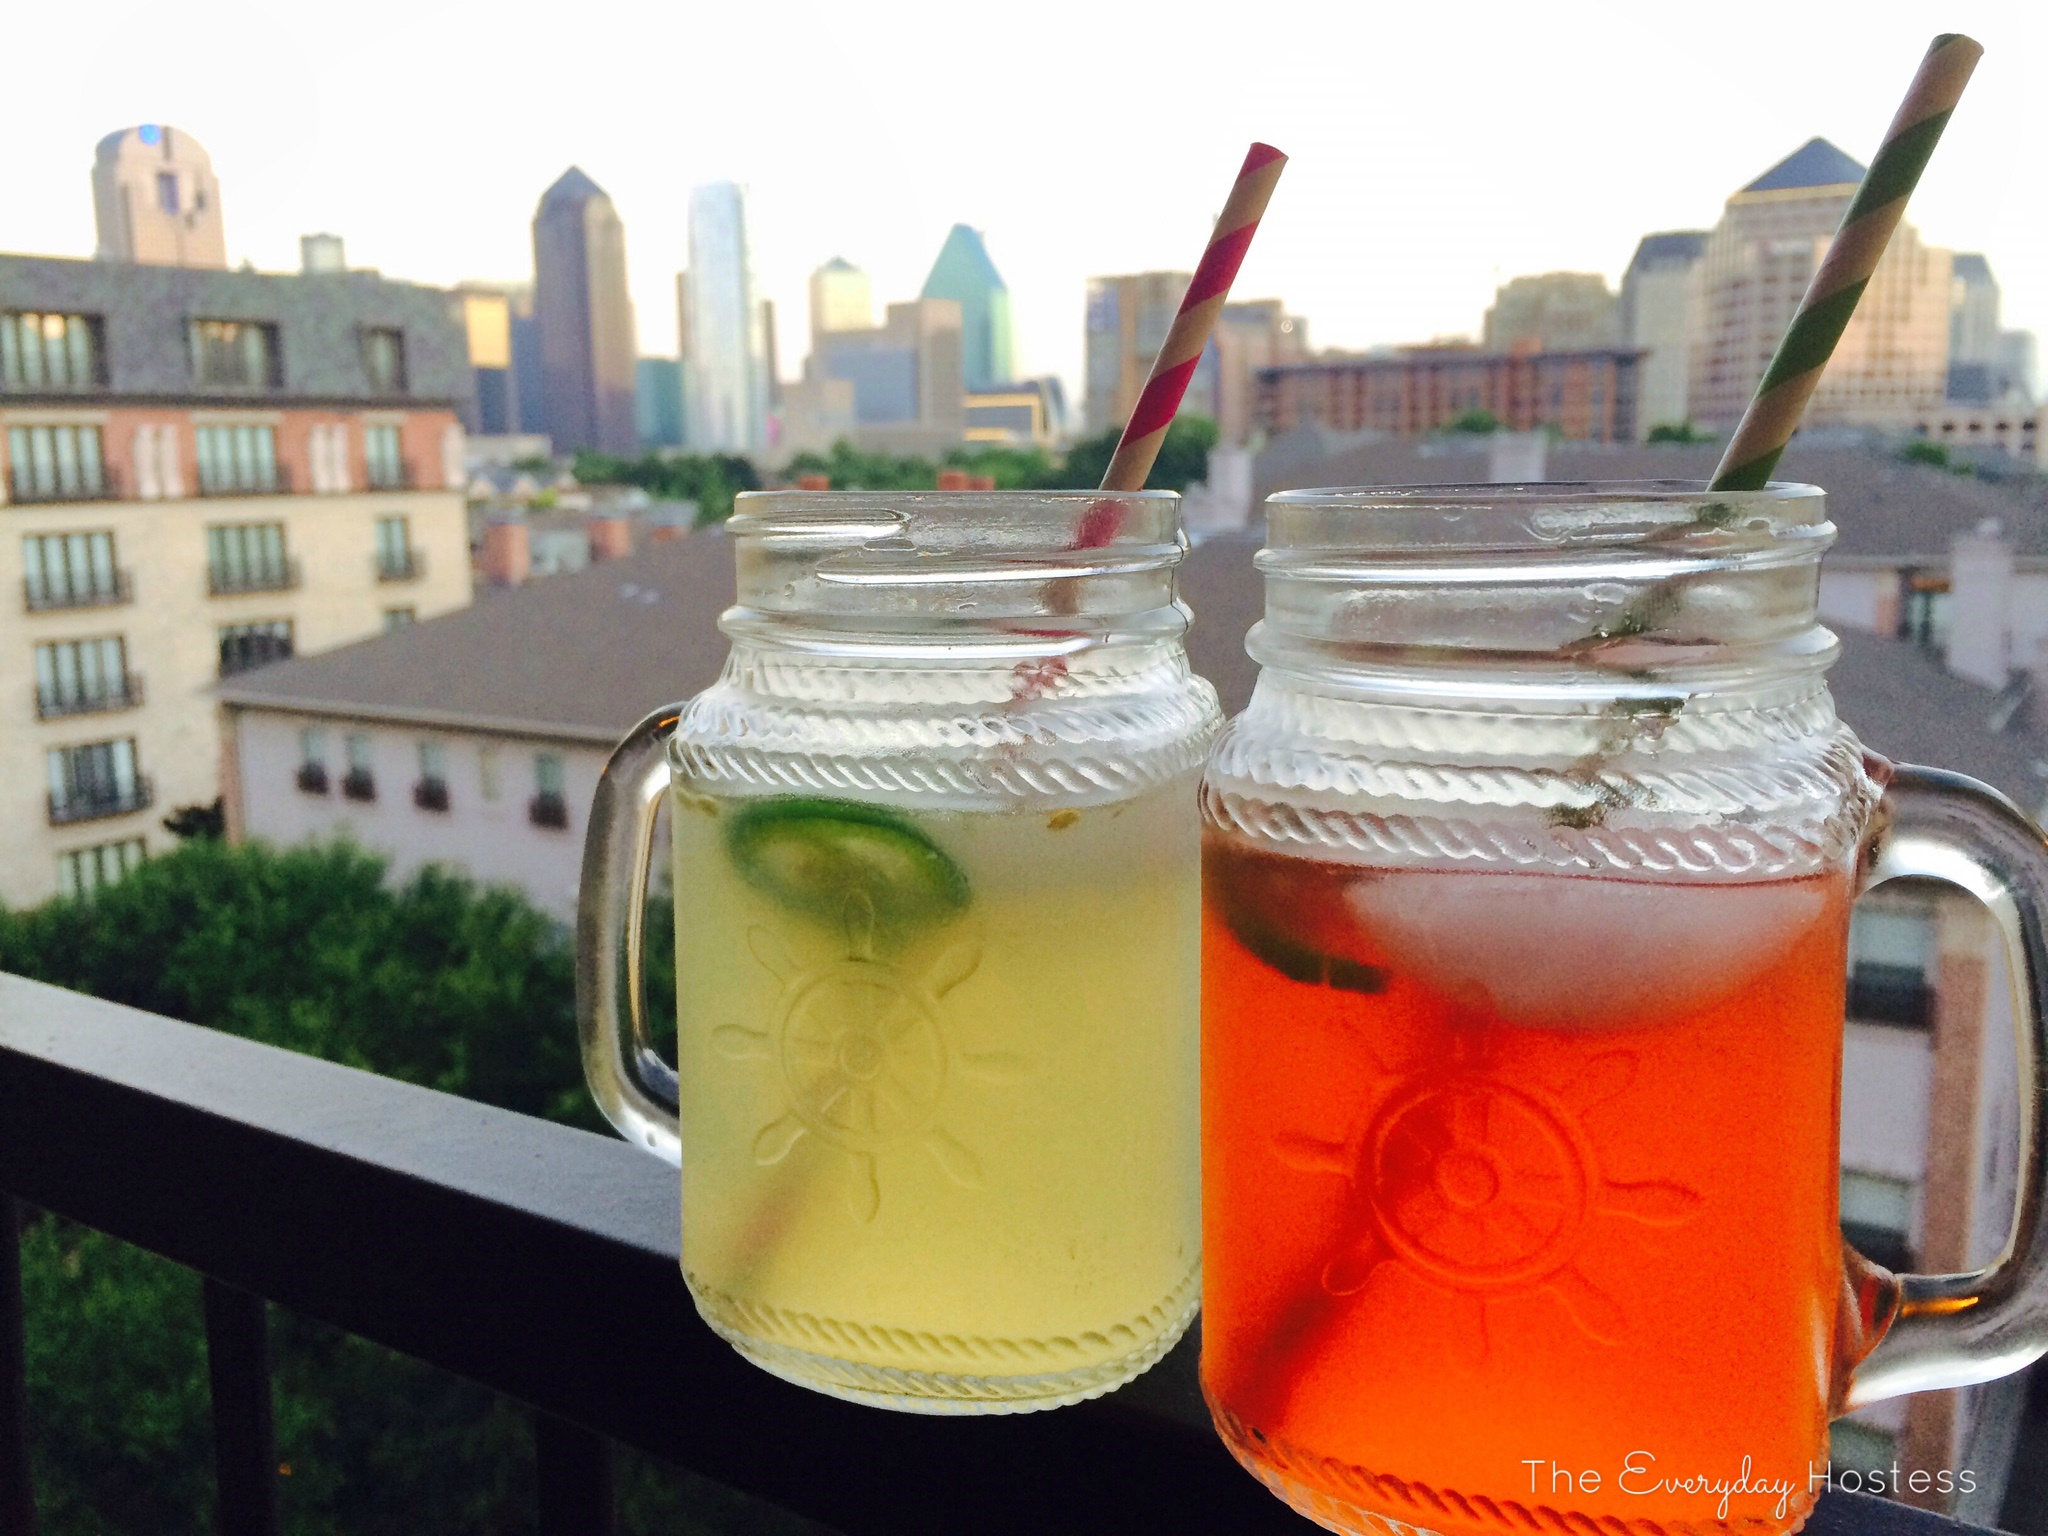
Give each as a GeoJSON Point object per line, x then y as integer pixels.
{"type": "Point", "coordinates": [1519, 1192]}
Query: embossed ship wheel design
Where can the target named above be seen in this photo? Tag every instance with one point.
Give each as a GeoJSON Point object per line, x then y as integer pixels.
{"type": "Point", "coordinates": [1476, 1183]}
{"type": "Point", "coordinates": [1487, 1189]}
{"type": "Point", "coordinates": [863, 1056]}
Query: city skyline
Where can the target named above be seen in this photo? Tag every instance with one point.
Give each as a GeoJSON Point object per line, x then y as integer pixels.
{"type": "Point", "coordinates": [1386, 231]}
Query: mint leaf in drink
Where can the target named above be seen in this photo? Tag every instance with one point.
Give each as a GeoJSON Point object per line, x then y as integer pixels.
{"type": "Point", "coordinates": [813, 854]}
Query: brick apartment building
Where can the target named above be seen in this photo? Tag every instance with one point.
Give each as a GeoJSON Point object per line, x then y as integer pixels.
{"type": "Point", "coordinates": [200, 471]}
{"type": "Point", "coordinates": [1588, 395]}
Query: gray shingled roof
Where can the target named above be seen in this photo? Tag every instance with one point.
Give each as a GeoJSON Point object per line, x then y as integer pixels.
{"type": "Point", "coordinates": [581, 656]}
{"type": "Point", "coordinates": [320, 319]}
{"type": "Point", "coordinates": [584, 656]}
{"type": "Point", "coordinates": [1669, 245]}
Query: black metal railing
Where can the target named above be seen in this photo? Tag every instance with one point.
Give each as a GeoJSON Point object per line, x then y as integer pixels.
{"type": "Point", "coordinates": [282, 576]}
{"type": "Point", "coordinates": [125, 692]}
{"type": "Point", "coordinates": [41, 597]}
{"type": "Point", "coordinates": [275, 481]}
{"type": "Point", "coordinates": [104, 486]}
{"type": "Point", "coordinates": [311, 778]}
{"type": "Point", "coordinates": [548, 809]}
{"type": "Point", "coordinates": [400, 565]}
{"type": "Point", "coordinates": [540, 1262]}
{"type": "Point", "coordinates": [431, 794]}
{"type": "Point", "coordinates": [250, 649]}
{"type": "Point", "coordinates": [391, 477]}
{"type": "Point", "coordinates": [92, 804]}
{"type": "Point", "coordinates": [359, 784]}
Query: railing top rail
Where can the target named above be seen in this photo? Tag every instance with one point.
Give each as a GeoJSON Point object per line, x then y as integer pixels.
{"type": "Point", "coordinates": [540, 1261]}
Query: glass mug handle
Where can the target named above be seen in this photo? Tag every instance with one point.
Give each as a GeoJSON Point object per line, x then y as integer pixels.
{"type": "Point", "coordinates": [633, 1086]}
{"type": "Point", "coordinates": [1958, 1330]}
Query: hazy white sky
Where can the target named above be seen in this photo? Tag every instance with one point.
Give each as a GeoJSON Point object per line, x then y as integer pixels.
{"type": "Point", "coordinates": [1437, 149]}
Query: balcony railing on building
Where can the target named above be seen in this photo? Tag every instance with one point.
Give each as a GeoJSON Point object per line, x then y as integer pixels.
{"type": "Point", "coordinates": [94, 482]}
{"type": "Point", "coordinates": [312, 778]}
{"type": "Point", "coordinates": [104, 592]}
{"type": "Point", "coordinates": [548, 809]}
{"type": "Point", "coordinates": [96, 801]}
{"type": "Point", "coordinates": [431, 794]}
{"type": "Point", "coordinates": [277, 576]}
{"type": "Point", "coordinates": [123, 692]}
{"type": "Point", "coordinates": [246, 652]}
{"type": "Point", "coordinates": [246, 480]}
{"type": "Point", "coordinates": [359, 784]}
{"type": "Point", "coordinates": [384, 475]}
{"type": "Point", "coordinates": [400, 564]}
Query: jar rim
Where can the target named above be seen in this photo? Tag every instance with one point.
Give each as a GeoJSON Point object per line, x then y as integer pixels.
{"type": "Point", "coordinates": [1534, 492]}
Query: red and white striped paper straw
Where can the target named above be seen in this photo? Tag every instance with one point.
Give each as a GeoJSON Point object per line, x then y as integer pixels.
{"type": "Point", "coordinates": [1182, 351]}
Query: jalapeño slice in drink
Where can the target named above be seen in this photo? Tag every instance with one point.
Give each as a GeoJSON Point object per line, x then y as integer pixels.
{"type": "Point", "coordinates": [812, 854]}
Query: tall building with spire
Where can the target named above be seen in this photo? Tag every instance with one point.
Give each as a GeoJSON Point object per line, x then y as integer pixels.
{"type": "Point", "coordinates": [964, 274]}
{"type": "Point", "coordinates": [584, 314]}
{"type": "Point", "coordinates": [155, 200]}
{"type": "Point", "coordinates": [1893, 359]}
{"type": "Point", "coordinates": [727, 374]}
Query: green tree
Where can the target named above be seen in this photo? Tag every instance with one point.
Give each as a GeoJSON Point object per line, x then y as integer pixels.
{"type": "Point", "coordinates": [1678, 432]}
{"type": "Point", "coordinates": [1476, 422]}
{"type": "Point", "coordinates": [710, 480]}
{"type": "Point", "coordinates": [434, 981]}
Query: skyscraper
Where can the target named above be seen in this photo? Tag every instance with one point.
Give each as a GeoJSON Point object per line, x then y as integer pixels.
{"type": "Point", "coordinates": [965, 274]}
{"type": "Point", "coordinates": [725, 357]}
{"type": "Point", "coordinates": [154, 199]}
{"type": "Point", "coordinates": [840, 299]}
{"type": "Point", "coordinates": [1893, 358]}
{"type": "Point", "coordinates": [1660, 301]}
{"type": "Point", "coordinates": [584, 313]}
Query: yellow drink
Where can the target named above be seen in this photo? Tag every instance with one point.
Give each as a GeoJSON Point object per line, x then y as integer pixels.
{"type": "Point", "coordinates": [938, 1092]}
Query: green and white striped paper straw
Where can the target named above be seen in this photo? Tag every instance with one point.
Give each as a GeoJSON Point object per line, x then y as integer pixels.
{"type": "Point", "coordinates": [1831, 297]}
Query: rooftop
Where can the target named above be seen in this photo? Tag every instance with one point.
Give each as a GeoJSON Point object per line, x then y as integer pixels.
{"type": "Point", "coordinates": [1816, 163]}
{"type": "Point", "coordinates": [320, 318]}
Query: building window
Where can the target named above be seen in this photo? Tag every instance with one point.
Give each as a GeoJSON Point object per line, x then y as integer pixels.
{"type": "Point", "coordinates": [431, 792]}
{"type": "Point", "coordinates": [398, 618]}
{"type": "Point", "coordinates": [82, 871]}
{"type": "Point", "coordinates": [240, 353]}
{"type": "Point", "coordinates": [167, 191]}
{"type": "Point", "coordinates": [487, 772]}
{"type": "Point", "coordinates": [549, 807]}
{"type": "Point", "coordinates": [312, 775]}
{"type": "Point", "coordinates": [360, 782]}
{"type": "Point", "coordinates": [384, 361]}
{"type": "Point", "coordinates": [77, 677]}
{"type": "Point", "coordinates": [1891, 956]}
{"type": "Point", "coordinates": [244, 647]}
{"type": "Point", "coordinates": [39, 351]}
{"type": "Point", "coordinates": [238, 460]}
{"type": "Point", "coordinates": [395, 558]}
{"type": "Point", "coordinates": [56, 463]}
{"type": "Point", "coordinates": [247, 557]}
{"type": "Point", "coordinates": [1877, 1217]}
{"type": "Point", "coordinates": [98, 779]}
{"type": "Point", "coordinates": [381, 457]}
{"type": "Point", "coordinates": [70, 570]}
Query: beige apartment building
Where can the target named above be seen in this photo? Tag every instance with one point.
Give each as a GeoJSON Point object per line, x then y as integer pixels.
{"type": "Point", "coordinates": [200, 472]}
{"type": "Point", "coordinates": [1551, 312]}
{"type": "Point", "coordinates": [1893, 359]}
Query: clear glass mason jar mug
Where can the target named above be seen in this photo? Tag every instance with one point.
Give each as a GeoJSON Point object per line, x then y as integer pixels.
{"type": "Point", "coordinates": [1527, 881]}
{"type": "Point", "coordinates": [936, 921]}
